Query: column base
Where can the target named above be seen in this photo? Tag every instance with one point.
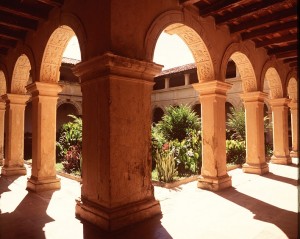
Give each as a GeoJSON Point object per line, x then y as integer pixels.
{"type": "Point", "coordinates": [293, 154]}
{"type": "Point", "coordinates": [10, 171]}
{"type": "Point", "coordinates": [36, 185]}
{"type": "Point", "coordinates": [259, 169]}
{"type": "Point", "coordinates": [214, 183]}
{"type": "Point", "coordinates": [116, 218]}
{"type": "Point", "coordinates": [281, 160]}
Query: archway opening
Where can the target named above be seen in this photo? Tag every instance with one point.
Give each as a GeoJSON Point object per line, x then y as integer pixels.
{"type": "Point", "coordinates": [157, 115]}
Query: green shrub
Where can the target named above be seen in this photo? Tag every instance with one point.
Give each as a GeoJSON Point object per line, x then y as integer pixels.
{"type": "Point", "coordinates": [235, 151]}
{"type": "Point", "coordinates": [179, 127]}
{"type": "Point", "coordinates": [72, 160]}
{"type": "Point", "coordinates": [166, 167]}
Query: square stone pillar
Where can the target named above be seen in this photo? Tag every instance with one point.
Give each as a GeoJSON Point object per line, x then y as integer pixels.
{"type": "Point", "coordinates": [255, 140]}
{"type": "Point", "coordinates": [214, 171]}
{"type": "Point", "coordinates": [44, 102]}
{"type": "Point", "coordinates": [116, 169]}
{"type": "Point", "coordinates": [294, 118]}
{"type": "Point", "coordinates": [2, 120]}
{"type": "Point", "coordinates": [281, 153]}
{"type": "Point", "coordinates": [14, 129]}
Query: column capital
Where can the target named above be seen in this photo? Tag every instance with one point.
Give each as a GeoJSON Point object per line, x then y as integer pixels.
{"type": "Point", "coordinates": [279, 102]}
{"type": "Point", "coordinates": [212, 87]}
{"type": "Point", "coordinates": [16, 98]}
{"type": "Point", "coordinates": [43, 88]}
{"type": "Point", "coordinates": [112, 64]}
{"type": "Point", "coordinates": [254, 96]}
{"type": "Point", "coordinates": [293, 105]}
{"type": "Point", "coordinates": [2, 104]}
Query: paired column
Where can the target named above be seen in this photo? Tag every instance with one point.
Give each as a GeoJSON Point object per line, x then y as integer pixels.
{"type": "Point", "coordinates": [255, 140]}
{"type": "Point", "coordinates": [14, 129]}
{"type": "Point", "coordinates": [214, 171]}
{"type": "Point", "coordinates": [116, 170]}
{"type": "Point", "coordinates": [2, 120]}
{"type": "Point", "coordinates": [44, 101]}
{"type": "Point", "coordinates": [294, 118]}
{"type": "Point", "coordinates": [281, 154]}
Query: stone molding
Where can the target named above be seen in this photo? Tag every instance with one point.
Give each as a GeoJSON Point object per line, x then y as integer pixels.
{"type": "Point", "coordinates": [121, 66]}
{"type": "Point", "coordinates": [254, 96]}
{"type": "Point", "coordinates": [212, 87]}
{"type": "Point", "coordinates": [15, 99]}
{"type": "Point", "coordinates": [44, 89]}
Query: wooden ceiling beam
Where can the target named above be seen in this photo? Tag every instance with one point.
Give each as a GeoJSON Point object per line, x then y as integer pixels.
{"type": "Point", "coordinates": [288, 60]}
{"type": "Point", "coordinates": [7, 43]}
{"type": "Point", "coordinates": [16, 8]}
{"type": "Point", "coordinates": [293, 64]}
{"type": "Point", "coordinates": [277, 50]}
{"type": "Point", "coordinates": [246, 11]}
{"type": "Point", "coordinates": [217, 6]}
{"type": "Point", "coordinates": [286, 55]}
{"type": "Point", "coordinates": [3, 51]}
{"type": "Point", "coordinates": [270, 30]}
{"type": "Point", "coordinates": [277, 40]}
{"type": "Point", "coordinates": [17, 22]}
{"type": "Point", "coordinates": [52, 3]}
{"type": "Point", "coordinates": [11, 34]}
{"type": "Point", "coordinates": [288, 13]}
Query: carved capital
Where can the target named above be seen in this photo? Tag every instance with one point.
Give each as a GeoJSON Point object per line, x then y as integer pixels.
{"type": "Point", "coordinates": [43, 88]}
{"type": "Point", "coordinates": [212, 87]}
{"type": "Point", "coordinates": [256, 96]}
{"type": "Point", "coordinates": [15, 99]}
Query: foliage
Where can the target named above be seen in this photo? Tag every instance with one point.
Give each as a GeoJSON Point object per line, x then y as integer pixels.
{"type": "Point", "coordinates": [268, 150]}
{"type": "Point", "coordinates": [69, 145]}
{"type": "Point", "coordinates": [178, 122]}
{"type": "Point", "coordinates": [72, 159]}
{"type": "Point", "coordinates": [179, 131]}
{"type": "Point", "coordinates": [165, 165]}
{"type": "Point", "coordinates": [235, 151]}
{"type": "Point", "coordinates": [236, 123]}
{"type": "Point", "coordinates": [70, 134]}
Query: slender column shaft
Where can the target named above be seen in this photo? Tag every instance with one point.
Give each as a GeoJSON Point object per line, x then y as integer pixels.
{"type": "Point", "coordinates": [44, 100]}
{"type": "Point", "coordinates": [294, 118]}
{"type": "Point", "coordinates": [116, 169]}
{"type": "Point", "coordinates": [186, 79]}
{"type": "Point", "coordinates": [255, 150]}
{"type": "Point", "coordinates": [281, 154]}
{"type": "Point", "coordinates": [2, 120]}
{"type": "Point", "coordinates": [167, 83]}
{"type": "Point", "coordinates": [14, 130]}
{"type": "Point", "coordinates": [214, 171]}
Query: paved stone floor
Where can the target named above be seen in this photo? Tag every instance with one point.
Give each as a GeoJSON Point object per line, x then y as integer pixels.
{"type": "Point", "coordinates": [255, 207]}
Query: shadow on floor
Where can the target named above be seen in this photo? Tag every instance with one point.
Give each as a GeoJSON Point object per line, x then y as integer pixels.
{"type": "Point", "coordinates": [148, 229]}
{"type": "Point", "coordinates": [279, 178]}
{"type": "Point", "coordinates": [29, 217]}
{"type": "Point", "coordinates": [286, 220]}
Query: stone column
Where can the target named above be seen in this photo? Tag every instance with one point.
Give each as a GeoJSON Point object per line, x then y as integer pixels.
{"type": "Point", "coordinates": [14, 130]}
{"type": "Point", "coordinates": [2, 120]}
{"type": "Point", "coordinates": [214, 171]}
{"type": "Point", "coordinates": [116, 170]}
{"type": "Point", "coordinates": [294, 118]}
{"type": "Point", "coordinates": [281, 153]}
{"type": "Point", "coordinates": [186, 79]}
{"type": "Point", "coordinates": [255, 140]}
{"type": "Point", "coordinates": [167, 83]}
{"type": "Point", "coordinates": [44, 101]}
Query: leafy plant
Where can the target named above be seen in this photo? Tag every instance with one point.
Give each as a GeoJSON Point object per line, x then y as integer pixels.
{"type": "Point", "coordinates": [236, 123]}
{"type": "Point", "coordinates": [166, 167]}
{"type": "Point", "coordinates": [72, 159]}
{"type": "Point", "coordinates": [235, 151]}
{"type": "Point", "coordinates": [70, 134]}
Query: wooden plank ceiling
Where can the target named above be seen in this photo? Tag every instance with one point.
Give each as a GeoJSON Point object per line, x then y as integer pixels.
{"type": "Point", "coordinates": [271, 24]}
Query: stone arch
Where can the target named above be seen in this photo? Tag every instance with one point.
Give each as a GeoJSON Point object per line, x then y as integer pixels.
{"type": "Point", "coordinates": [52, 56]}
{"type": "Point", "coordinates": [2, 83]}
{"type": "Point", "coordinates": [274, 83]}
{"type": "Point", "coordinates": [293, 89]}
{"type": "Point", "coordinates": [76, 25]}
{"type": "Point", "coordinates": [76, 105]}
{"type": "Point", "coordinates": [240, 55]}
{"type": "Point", "coordinates": [191, 32]}
{"type": "Point", "coordinates": [20, 76]}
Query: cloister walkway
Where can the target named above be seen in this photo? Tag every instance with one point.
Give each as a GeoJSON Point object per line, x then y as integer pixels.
{"type": "Point", "coordinates": [255, 207]}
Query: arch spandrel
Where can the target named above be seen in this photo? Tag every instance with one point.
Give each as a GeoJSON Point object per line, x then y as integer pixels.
{"type": "Point", "coordinates": [2, 83]}
{"type": "Point", "coordinates": [274, 83]}
{"type": "Point", "coordinates": [293, 89]}
{"type": "Point", "coordinates": [53, 54]}
{"type": "Point", "coordinates": [20, 76]}
{"type": "Point", "coordinates": [246, 71]}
